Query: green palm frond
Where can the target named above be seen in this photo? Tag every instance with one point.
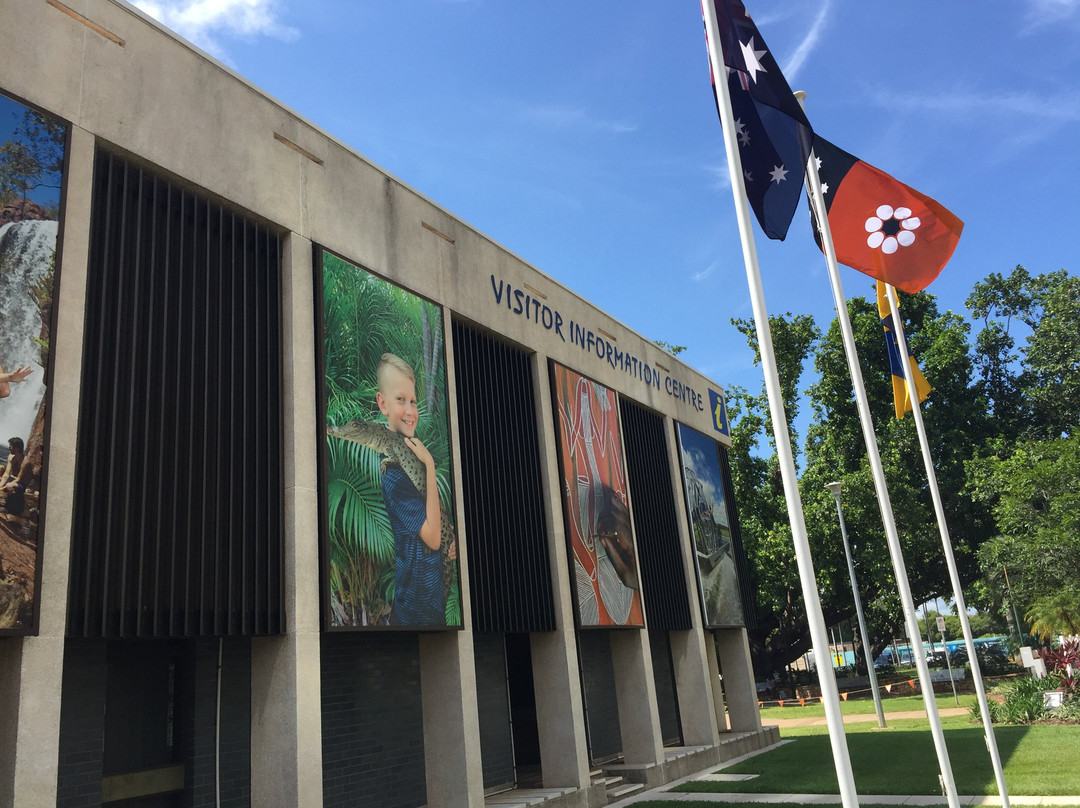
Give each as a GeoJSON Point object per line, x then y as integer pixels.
{"type": "Point", "coordinates": [357, 514]}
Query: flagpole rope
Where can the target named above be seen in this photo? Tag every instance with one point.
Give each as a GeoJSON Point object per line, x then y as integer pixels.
{"type": "Point", "coordinates": [844, 694]}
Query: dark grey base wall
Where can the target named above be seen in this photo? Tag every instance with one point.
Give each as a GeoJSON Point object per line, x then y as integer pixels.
{"type": "Point", "coordinates": [84, 721]}
{"type": "Point", "coordinates": [235, 724]}
{"type": "Point", "coordinates": [82, 724]}
{"type": "Point", "coordinates": [372, 721]}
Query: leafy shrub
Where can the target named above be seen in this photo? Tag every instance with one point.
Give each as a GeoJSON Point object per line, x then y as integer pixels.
{"type": "Point", "coordinates": [1023, 700]}
{"type": "Point", "coordinates": [1069, 710]}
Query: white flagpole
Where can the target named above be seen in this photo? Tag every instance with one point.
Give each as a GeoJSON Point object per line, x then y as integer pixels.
{"type": "Point", "coordinates": [946, 543]}
{"type": "Point", "coordinates": [948, 784]}
{"type": "Point", "coordinates": [818, 633]}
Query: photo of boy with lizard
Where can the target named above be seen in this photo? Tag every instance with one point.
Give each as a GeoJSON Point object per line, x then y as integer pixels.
{"type": "Point", "coordinates": [415, 518]}
{"type": "Point", "coordinates": [391, 552]}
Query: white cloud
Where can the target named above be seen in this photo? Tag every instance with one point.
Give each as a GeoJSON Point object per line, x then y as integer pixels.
{"type": "Point", "coordinates": [810, 41]}
{"type": "Point", "coordinates": [702, 274]}
{"type": "Point", "coordinates": [720, 174]}
{"type": "Point", "coordinates": [575, 118]}
{"type": "Point", "coordinates": [1063, 108]}
{"type": "Point", "coordinates": [201, 21]}
{"type": "Point", "coordinates": [1049, 12]}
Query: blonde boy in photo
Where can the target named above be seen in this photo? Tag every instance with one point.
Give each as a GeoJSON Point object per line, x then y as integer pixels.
{"type": "Point", "coordinates": [415, 518]}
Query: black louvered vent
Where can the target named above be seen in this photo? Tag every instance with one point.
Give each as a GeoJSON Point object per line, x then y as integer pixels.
{"type": "Point", "coordinates": [656, 526]}
{"type": "Point", "coordinates": [177, 512]}
{"type": "Point", "coordinates": [509, 569]}
{"type": "Point", "coordinates": [748, 603]}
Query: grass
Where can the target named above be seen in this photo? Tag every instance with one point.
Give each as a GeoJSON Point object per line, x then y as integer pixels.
{"type": "Point", "coordinates": [699, 804]}
{"type": "Point", "coordinates": [815, 709]}
{"type": "Point", "coordinates": [1038, 760]}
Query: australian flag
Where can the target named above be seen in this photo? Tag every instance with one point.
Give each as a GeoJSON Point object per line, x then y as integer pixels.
{"type": "Point", "coordinates": [774, 135]}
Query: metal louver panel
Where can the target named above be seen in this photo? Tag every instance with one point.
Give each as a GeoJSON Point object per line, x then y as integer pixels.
{"type": "Point", "coordinates": [656, 526]}
{"type": "Point", "coordinates": [745, 590]}
{"type": "Point", "coordinates": [509, 568]}
{"type": "Point", "coordinates": [177, 527]}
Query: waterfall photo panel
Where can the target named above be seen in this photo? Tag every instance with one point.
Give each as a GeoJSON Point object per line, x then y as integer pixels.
{"type": "Point", "coordinates": [710, 522]}
{"type": "Point", "coordinates": [32, 154]}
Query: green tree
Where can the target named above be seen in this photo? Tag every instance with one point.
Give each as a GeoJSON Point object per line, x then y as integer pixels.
{"type": "Point", "coordinates": [835, 450]}
{"type": "Point", "coordinates": [34, 158]}
{"type": "Point", "coordinates": [781, 634]}
{"type": "Point", "coordinates": [672, 349]}
{"type": "Point", "coordinates": [1034, 493]}
{"type": "Point", "coordinates": [1055, 615]}
{"type": "Point", "coordinates": [1033, 391]}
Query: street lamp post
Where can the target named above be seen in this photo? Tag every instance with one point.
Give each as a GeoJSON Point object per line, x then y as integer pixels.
{"type": "Point", "coordinates": [834, 488]}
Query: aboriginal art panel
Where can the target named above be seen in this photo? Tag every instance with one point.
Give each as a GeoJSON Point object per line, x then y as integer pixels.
{"type": "Point", "coordinates": [390, 550]}
{"type": "Point", "coordinates": [710, 522]}
{"type": "Point", "coordinates": [32, 153]}
{"type": "Point", "coordinates": [598, 525]}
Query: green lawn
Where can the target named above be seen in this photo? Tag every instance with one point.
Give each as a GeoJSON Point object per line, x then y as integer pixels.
{"type": "Point", "coordinates": [1038, 760]}
{"type": "Point", "coordinates": [815, 709]}
{"type": "Point", "coordinates": [699, 804]}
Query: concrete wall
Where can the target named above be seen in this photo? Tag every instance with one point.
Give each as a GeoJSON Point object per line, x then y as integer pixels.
{"type": "Point", "coordinates": [173, 106]}
{"type": "Point", "coordinates": [125, 83]}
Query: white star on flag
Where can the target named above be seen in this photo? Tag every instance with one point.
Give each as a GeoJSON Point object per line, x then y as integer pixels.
{"type": "Point", "coordinates": [752, 59]}
{"type": "Point", "coordinates": [778, 174]}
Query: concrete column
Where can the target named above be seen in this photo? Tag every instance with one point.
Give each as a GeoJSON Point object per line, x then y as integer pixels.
{"type": "Point", "coordinates": [286, 714]}
{"type": "Point", "coordinates": [716, 686]}
{"type": "Point", "coordinates": [691, 650]}
{"type": "Point", "coordinates": [32, 667]}
{"type": "Point", "coordinates": [639, 719]}
{"type": "Point", "coordinates": [694, 686]}
{"type": "Point", "coordinates": [739, 686]}
{"type": "Point", "coordinates": [560, 711]}
{"type": "Point", "coordinates": [455, 773]}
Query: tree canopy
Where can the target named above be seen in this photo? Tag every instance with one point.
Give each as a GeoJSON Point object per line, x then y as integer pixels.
{"type": "Point", "coordinates": [999, 419]}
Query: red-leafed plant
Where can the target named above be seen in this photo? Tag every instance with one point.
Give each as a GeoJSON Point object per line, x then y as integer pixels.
{"type": "Point", "coordinates": [1063, 658]}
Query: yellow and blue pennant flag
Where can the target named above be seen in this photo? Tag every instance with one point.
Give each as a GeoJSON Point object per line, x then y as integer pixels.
{"type": "Point", "coordinates": [901, 399]}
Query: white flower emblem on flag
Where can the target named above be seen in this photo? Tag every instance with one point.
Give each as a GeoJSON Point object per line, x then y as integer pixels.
{"type": "Point", "coordinates": [891, 228]}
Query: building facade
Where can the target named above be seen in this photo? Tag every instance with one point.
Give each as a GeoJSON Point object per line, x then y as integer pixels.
{"type": "Point", "coordinates": [323, 497]}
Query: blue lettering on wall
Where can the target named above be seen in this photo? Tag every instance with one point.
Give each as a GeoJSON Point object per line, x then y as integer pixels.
{"type": "Point", "coordinates": [521, 303]}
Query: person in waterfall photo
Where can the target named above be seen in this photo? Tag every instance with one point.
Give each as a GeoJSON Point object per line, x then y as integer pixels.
{"type": "Point", "coordinates": [15, 376]}
{"type": "Point", "coordinates": [16, 478]}
{"type": "Point", "coordinates": [415, 518]}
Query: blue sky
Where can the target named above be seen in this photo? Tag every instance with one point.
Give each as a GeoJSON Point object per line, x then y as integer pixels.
{"type": "Point", "coordinates": [582, 136]}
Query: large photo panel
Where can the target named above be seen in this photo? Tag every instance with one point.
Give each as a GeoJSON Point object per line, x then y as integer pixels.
{"type": "Point", "coordinates": [710, 523]}
{"type": "Point", "coordinates": [389, 546]}
{"type": "Point", "coordinates": [32, 153]}
{"type": "Point", "coordinates": [598, 526]}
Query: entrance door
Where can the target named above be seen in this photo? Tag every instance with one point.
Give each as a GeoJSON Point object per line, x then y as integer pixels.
{"type": "Point", "coordinates": [148, 704]}
{"type": "Point", "coordinates": [601, 705]}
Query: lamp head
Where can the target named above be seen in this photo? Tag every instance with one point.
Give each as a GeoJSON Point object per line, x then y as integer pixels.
{"type": "Point", "coordinates": [835, 487]}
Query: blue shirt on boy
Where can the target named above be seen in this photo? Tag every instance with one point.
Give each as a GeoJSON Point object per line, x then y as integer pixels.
{"type": "Point", "coordinates": [418, 583]}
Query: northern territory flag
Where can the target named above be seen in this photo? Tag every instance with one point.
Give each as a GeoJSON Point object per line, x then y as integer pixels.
{"type": "Point", "coordinates": [880, 226]}
{"type": "Point", "coordinates": [901, 399]}
{"type": "Point", "coordinates": [774, 134]}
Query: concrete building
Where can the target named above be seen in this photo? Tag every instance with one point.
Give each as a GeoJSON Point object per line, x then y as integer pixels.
{"type": "Point", "coordinates": [197, 610]}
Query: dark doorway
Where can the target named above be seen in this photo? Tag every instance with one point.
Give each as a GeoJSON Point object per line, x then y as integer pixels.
{"type": "Point", "coordinates": [601, 704]}
{"type": "Point", "coordinates": [519, 673]}
{"type": "Point", "coordinates": [148, 708]}
{"type": "Point", "coordinates": [667, 702]}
